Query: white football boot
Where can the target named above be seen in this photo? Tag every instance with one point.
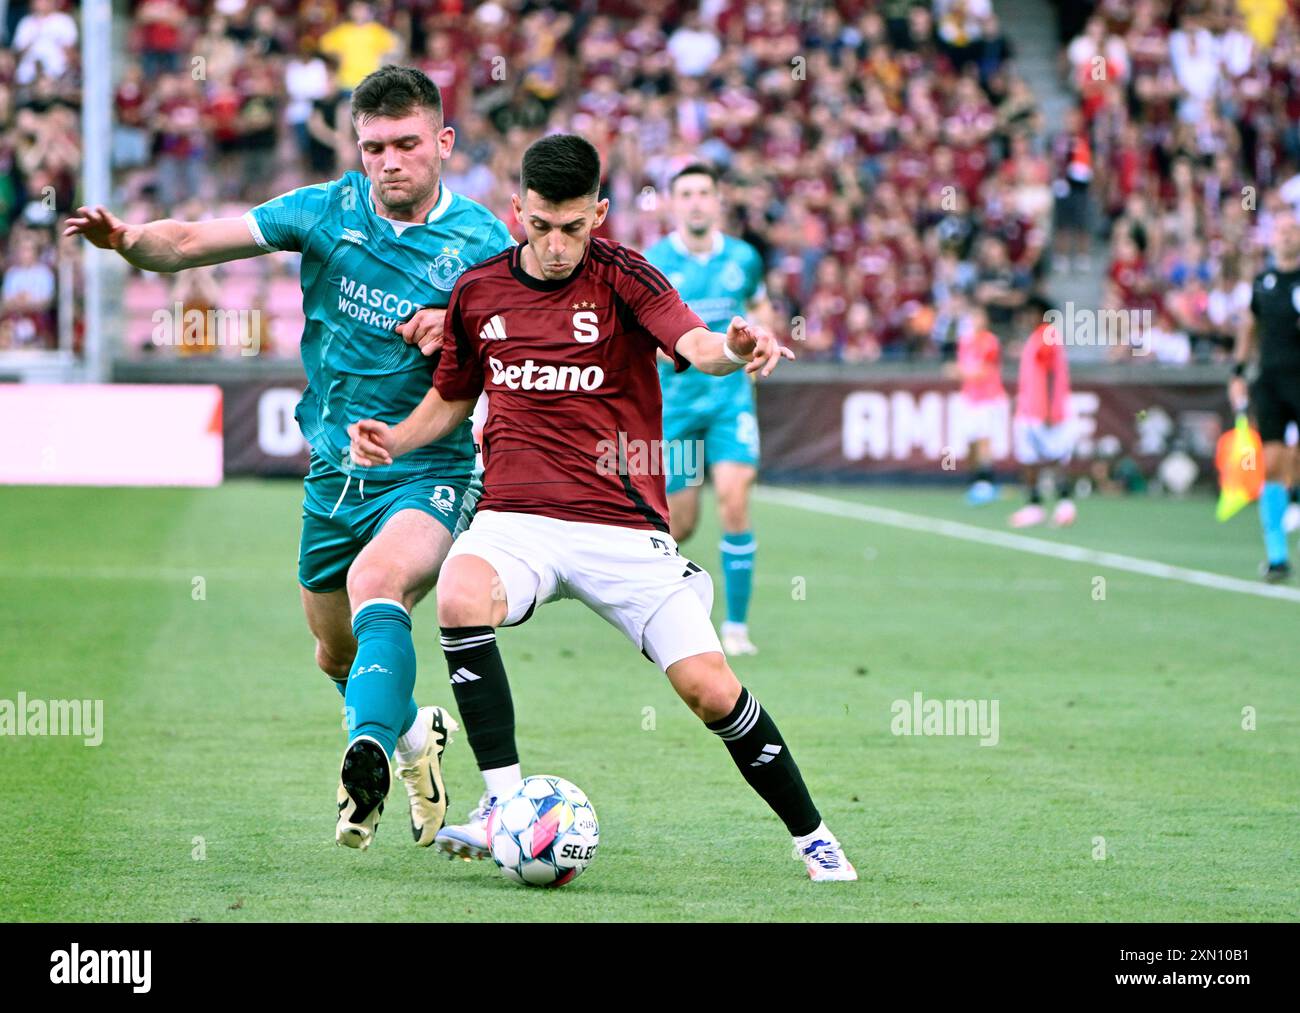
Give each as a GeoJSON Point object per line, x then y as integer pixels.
{"type": "Point", "coordinates": [1064, 514]}
{"type": "Point", "coordinates": [1027, 516]}
{"type": "Point", "coordinates": [423, 776]}
{"type": "Point", "coordinates": [826, 861]}
{"type": "Point", "coordinates": [1291, 519]}
{"type": "Point", "coordinates": [735, 639]}
{"type": "Point", "coordinates": [468, 840]}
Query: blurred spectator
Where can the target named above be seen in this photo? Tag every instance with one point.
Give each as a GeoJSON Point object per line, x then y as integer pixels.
{"type": "Point", "coordinates": [328, 135]}
{"type": "Point", "coordinates": [693, 47]}
{"type": "Point", "coordinates": [27, 296]}
{"type": "Point", "coordinates": [160, 28]}
{"type": "Point", "coordinates": [180, 146]}
{"type": "Point", "coordinates": [1072, 155]}
{"type": "Point", "coordinates": [360, 44]}
{"type": "Point", "coordinates": [131, 135]}
{"type": "Point", "coordinates": [44, 40]}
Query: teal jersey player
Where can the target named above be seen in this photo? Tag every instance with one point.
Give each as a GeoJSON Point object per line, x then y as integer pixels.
{"type": "Point", "coordinates": [717, 286]}
{"type": "Point", "coordinates": [362, 275]}
{"type": "Point", "coordinates": [709, 421]}
{"type": "Point", "coordinates": [380, 252]}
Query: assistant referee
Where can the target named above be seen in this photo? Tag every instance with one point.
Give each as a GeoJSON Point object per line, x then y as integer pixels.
{"type": "Point", "coordinates": [1273, 327]}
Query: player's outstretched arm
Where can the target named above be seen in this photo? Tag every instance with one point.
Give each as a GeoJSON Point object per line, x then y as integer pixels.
{"type": "Point", "coordinates": [751, 346]}
{"type": "Point", "coordinates": [378, 443]}
{"type": "Point", "coordinates": [165, 245]}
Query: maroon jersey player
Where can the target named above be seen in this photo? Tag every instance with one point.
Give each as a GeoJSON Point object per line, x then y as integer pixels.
{"type": "Point", "coordinates": [562, 333]}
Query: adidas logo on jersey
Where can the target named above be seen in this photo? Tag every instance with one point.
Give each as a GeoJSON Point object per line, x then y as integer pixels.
{"type": "Point", "coordinates": [465, 675]}
{"type": "Point", "coordinates": [533, 376]}
{"type": "Point", "coordinates": [494, 329]}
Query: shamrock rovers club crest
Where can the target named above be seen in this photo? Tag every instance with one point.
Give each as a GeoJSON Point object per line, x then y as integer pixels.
{"type": "Point", "coordinates": [446, 268]}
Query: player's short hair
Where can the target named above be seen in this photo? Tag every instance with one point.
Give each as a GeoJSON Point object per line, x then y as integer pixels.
{"type": "Point", "coordinates": [561, 167]}
{"type": "Point", "coordinates": [394, 92]}
{"type": "Point", "coordinates": [1039, 304]}
{"type": "Point", "coordinates": [694, 169]}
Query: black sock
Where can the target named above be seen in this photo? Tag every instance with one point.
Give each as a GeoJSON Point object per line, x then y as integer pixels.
{"type": "Point", "coordinates": [756, 746]}
{"type": "Point", "coordinates": [1295, 494]}
{"type": "Point", "coordinates": [478, 678]}
{"type": "Point", "coordinates": [984, 474]}
{"type": "Point", "coordinates": [1034, 495]}
{"type": "Point", "coordinates": [1063, 487]}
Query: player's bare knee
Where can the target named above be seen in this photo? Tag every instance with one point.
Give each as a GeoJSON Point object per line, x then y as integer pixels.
{"type": "Point", "coordinates": [335, 663]}
{"type": "Point", "coordinates": [708, 686]}
{"type": "Point", "coordinates": [734, 514]}
{"type": "Point", "coordinates": [1276, 463]}
{"type": "Point", "coordinates": [463, 601]}
{"type": "Point", "coordinates": [367, 582]}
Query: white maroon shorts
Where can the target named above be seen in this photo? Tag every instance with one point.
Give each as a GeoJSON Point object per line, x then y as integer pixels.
{"type": "Point", "coordinates": [634, 579]}
{"type": "Point", "coordinates": [980, 419]}
{"type": "Point", "coordinates": [1036, 442]}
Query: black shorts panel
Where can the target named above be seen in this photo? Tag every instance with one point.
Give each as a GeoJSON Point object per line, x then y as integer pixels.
{"type": "Point", "coordinates": [1275, 397]}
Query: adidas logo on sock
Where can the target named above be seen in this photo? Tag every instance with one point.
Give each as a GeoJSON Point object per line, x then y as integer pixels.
{"type": "Point", "coordinates": [768, 754]}
{"type": "Point", "coordinates": [465, 675]}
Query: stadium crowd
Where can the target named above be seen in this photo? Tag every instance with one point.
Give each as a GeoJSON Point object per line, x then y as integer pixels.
{"type": "Point", "coordinates": [1183, 146]}
{"type": "Point", "coordinates": [884, 156]}
{"type": "Point", "coordinates": [40, 162]}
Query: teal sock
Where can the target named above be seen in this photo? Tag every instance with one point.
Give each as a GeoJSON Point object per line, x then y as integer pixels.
{"type": "Point", "coordinates": [1272, 505]}
{"type": "Point", "coordinates": [383, 674]}
{"type": "Point", "coordinates": [412, 711]}
{"type": "Point", "coordinates": [738, 573]}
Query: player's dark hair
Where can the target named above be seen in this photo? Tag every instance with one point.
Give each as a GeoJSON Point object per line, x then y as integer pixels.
{"type": "Point", "coordinates": [1039, 304]}
{"type": "Point", "coordinates": [561, 167]}
{"type": "Point", "coordinates": [394, 92]}
{"type": "Point", "coordinates": [695, 169]}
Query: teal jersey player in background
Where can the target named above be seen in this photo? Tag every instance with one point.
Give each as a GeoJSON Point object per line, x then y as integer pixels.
{"type": "Point", "coordinates": [709, 421]}
{"type": "Point", "coordinates": [381, 251]}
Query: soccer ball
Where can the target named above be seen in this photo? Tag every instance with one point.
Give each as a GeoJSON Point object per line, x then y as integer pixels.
{"type": "Point", "coordinates": [544, 833]}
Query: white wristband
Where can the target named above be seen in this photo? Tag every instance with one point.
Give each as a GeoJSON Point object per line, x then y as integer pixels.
{"type": "Point", "coordinates": [732, 356]}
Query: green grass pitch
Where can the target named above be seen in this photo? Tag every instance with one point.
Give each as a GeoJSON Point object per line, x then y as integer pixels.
{"type": "Point", "coordinates": [1121, 727]}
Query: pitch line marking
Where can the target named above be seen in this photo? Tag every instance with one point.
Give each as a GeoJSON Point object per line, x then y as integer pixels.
{"type": "Point", "coordinates": [1020, 543]}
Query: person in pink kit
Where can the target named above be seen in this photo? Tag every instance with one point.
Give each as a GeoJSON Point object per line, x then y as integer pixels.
{"type": "Point", "coordinates": [983, 399]}
{"type": "Point", "coordinates": [1044, 430]}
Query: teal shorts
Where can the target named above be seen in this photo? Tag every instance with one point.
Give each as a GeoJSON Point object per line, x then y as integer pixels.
{"type": "Point", "coordinates": [341, 516]}
{"type": "Point", "coordinates": [699, 435]}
